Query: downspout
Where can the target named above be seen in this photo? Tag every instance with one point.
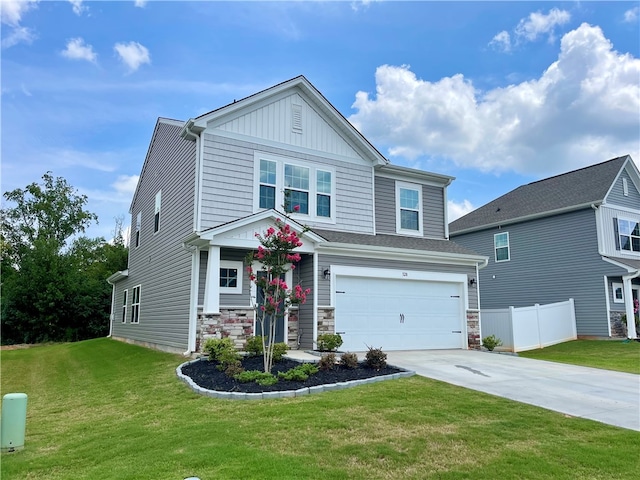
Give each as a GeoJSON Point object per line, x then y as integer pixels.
{"type": "Point", "coordinates": [112, 314]}
{"type": "Point", "coordinates": [628, 303]}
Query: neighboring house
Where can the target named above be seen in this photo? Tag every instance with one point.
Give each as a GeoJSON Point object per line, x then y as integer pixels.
{"type": "Point", "coordinates": [377, 259]}
{"type": "Point", "coordinates": [575, 235]}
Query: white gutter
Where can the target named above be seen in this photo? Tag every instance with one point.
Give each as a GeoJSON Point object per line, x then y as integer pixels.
{"type": "Point", "coordinates": [112, 314]}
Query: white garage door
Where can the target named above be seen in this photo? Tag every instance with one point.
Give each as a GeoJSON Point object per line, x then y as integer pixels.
{"type": "Point", "coordinates": [398, 314]}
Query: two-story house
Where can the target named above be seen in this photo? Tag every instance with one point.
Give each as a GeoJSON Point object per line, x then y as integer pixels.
{"type": "Point", "coordinates": [376, 257]}
{"type": "Point", "coordinates": [575, 235]}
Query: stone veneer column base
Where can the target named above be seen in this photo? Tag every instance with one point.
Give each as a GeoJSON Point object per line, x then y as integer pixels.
{"type": "Point", "coordinates": [234, 323]}
{"type": "Point", "coordinates": [618, 329]}
{"type": "Point", "coordinates": [326, 320]}
{"type": "Point", "coordinates": [473, 330]}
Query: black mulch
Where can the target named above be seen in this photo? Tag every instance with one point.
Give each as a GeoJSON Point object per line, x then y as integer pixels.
{"type": "Point", "coordinates": [206, 375]}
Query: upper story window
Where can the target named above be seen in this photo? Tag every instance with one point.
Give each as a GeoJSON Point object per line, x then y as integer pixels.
{"type": "Point", "coordinates": [501, 246]}
{"type": "Point", "coordinates": [156, 215]}
{"type": "Point", "coordinates": [230, 276]}
{"type": "Point", "coordinates": [135, 305]}
{"type": "Point", "coordinates": [299, 188]}
{"type": "Point", "coordinates": [408, 208]}
{"type": "Point", "coordinates": [138, 225]}
{"type": "Point", "coordinates": [629, 235]}
{"type": "Point", "coordinates": [124, 306]}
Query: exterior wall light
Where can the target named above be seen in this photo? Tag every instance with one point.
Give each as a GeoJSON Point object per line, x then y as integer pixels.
{"type": "Point", "coordinates": [326, 274]}
{"type": "Point", "coordinates": [472, 282]}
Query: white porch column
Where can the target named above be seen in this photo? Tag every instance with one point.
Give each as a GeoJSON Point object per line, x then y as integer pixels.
{"type": "Point", "coordinates": [193, 301]}
{"type": "Point", "coordinates": [315, 299]}
{"type": "Point", "coordinates": [628, 305]}
{"type": "Point", "coordinates": [212, 283]}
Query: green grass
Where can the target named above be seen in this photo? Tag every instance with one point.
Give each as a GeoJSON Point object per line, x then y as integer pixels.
{"type": "Point", "coordinates": [102, 409]}
{"type": "Point", "coordinates": [607, 354]}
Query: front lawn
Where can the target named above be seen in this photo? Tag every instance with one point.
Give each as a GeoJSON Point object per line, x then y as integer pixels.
{"type": "Point", "coordinates": [102, 409]}
{"type": "Point", "coordinates": [617, 355]}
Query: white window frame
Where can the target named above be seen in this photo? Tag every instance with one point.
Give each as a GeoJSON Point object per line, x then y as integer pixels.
{"type": "Point", "coordinates": [135, 306]}
{"type": "Point", "coordinates": [125, 299]}
{"type": "Point", "coordinates": [234, 265]}
{"type": "Point", "coordinates": [614, 287]}
{"type": "Point", "coordinates": [631, 237]}
{"type": "Point", "coordinates": [280, 162]}
{"type": "Point", "coordinates": [418, 188]}
{"type": "Point", "coordinates": [495, 247]}
{"type": "Point", "coordinates": [156, 212]}
{"type": "Point", "coordinates": [136, 234]}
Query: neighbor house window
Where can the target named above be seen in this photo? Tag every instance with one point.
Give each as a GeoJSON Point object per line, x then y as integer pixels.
{"type": "Point", "coordinates": [135, 305]}
{"type": "Point", "coordinates": [230, 277]}
{"type": "Point", "coordinates": [156, 215]}
{"type": "Point", "coordinates": [629, 235]}
{"type": "Point", "coordinates": [124, 306]}
{"type": "Point", "coordinates": [409, 208]}
{"type": "Point", "coordinates": [138, 225]}
{"type": "Point", "coordinates": [618, 293]}
{"type": "Point", "coordinates": [295, 187]}
{"type": "Point", "coordinates": [501, 245]}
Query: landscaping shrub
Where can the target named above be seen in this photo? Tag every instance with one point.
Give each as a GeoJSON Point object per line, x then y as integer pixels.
{"type": "Point", "coordinates": [299, 373]}
{"type": "Point", "coordinates": [254, 346]}
{"type": "Point", "coordinates": [376, 358]}
{"type": "Point", "coordinates": [491, 342]}
{"type": "Point", "coordinates": [329, 342]}
{"type": "Point", "coordinates": [327, 362]}
{"type": "Point", "coordinates": [214, 347]}
{"type": "Point", "coordinates": [252, 376]}
{"type": "Point", "coordinates": [234, 369]}
{"type": "Point", "coordinates": [349, 360]}
{"type": "Point", "coordinates": [279, 349]}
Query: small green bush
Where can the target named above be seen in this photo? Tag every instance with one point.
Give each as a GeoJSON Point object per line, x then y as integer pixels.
{"type": "Point", "coordinates": [266, 381]}
{"type": "Point", "coordinates": [327, 362]}
{"type": "Point", "coordinates": [491, 342]}
{"type": "Point", "coordinates": [234, 369]}
{"type": "Point", "coordinates": [254, 346]}
{"type": "Point", "coordinates": [279, 349]}
{"type": "Point", "coordinates": [299, 373]}
{"type": "Point", "coordinates": [214, 347]}
{"type": "Point", "coordinates": [376, 358]}
{"type": "Point", "coordinates": [329, 342]}
{"type": "Point", "coordinates": [253, 376]}
{"type": "Point", "coordinates": [349, 360]}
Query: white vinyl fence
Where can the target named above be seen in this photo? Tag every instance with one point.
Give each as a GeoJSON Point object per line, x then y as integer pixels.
{"type": "Point", "coordinates": [528, 328]}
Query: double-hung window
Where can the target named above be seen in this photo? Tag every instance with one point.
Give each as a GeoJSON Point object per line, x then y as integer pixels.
{"type": "Point", "coordinates": [501, 246]}
{"type": "Point", "coordinates": [124, 306]}
{"type": "Point", "coordinates": [408, 208]}
{"type": "Point", "coordinates": [135, 305]}
{"type": "Point", "coordinates": [296, 187]}
{"type": "Point", "coordinates": [156, 215]}
{"type": "Point", "coordinates": [138, 225]}
{"type": "Point", "coordinates": [629, 235]}
{"type": "Point", "coordinates": [230, 276]}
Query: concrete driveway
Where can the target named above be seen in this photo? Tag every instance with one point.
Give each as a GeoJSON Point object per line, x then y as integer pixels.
{"type": "Point", "coordinates": [601, 395]}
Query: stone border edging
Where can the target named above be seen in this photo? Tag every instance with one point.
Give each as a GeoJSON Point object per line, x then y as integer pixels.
{"type": "Point", "coordinates": [285, 393]}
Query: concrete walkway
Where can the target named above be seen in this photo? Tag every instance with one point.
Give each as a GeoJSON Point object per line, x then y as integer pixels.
{"type": "Point", "coordinates": [601, 395]}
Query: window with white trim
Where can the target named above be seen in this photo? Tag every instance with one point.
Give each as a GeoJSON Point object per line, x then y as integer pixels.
{"type": "Point", "coordinates": [135, 305]}
{"type": "Point", "coordinates": [629, 235]}
{"type": "Point", "coordinates": [124, 306]}
{"type": "Point", "coordinates": [156, 213]}
{"type": "Point", "coordinates": [501, 246]}
{"type": "Point", "coordinates": [299, 188]}
{"type": "Point", "coordinates": [618, 292]}
{"type": "Point", "coordinates": [230, 276]}
{"type": "Point", "coordinates": [625, 187]}
{"type": "Point", "coordinates": [408, 208]}
{"type": "Point", "coordinates": [137, 233]}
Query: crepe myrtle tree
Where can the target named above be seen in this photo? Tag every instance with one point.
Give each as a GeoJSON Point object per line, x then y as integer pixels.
{"type": "Point", "coordinates": [277, 256]}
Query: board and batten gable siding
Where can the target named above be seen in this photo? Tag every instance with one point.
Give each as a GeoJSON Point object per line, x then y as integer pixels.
{"type": "Point", "coordinates": [160, 264]}
{"type": "Point", "coordinates": [552, 259]}
{"type": "Point", "coordinates": [228, 184]}
{"type": "Point", "coordinates": [273, 121]}
{"type": "Point", "coordinates": [432, 207]}
{"type": "Point", "coordinates": [616, 194]}
{"type": "Point", "coordinates": [325, 261]}
{"type": "Point", "coordinates": [609, 244]}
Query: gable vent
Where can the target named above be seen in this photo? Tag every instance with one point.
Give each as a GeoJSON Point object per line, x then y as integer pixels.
{"type": "Point", "coordinates": [296, 118]}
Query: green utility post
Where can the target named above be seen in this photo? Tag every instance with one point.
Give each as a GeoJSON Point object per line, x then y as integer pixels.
{"type": "Point", "coordinates": [14, 422]}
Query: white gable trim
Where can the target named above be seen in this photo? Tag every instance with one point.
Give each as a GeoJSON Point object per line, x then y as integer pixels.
{"type": "Point", "coordinates": [633, 172]}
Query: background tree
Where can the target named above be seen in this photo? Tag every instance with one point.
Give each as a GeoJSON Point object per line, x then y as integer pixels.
{"type": "Point", "coordinates": [54, 280]}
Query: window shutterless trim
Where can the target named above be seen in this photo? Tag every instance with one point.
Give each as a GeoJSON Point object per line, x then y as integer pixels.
{"type": "Point", "coordinates": [497, 247]}
{"type": "Point", "coordinates": [135, 304]}
{"type": "Point", "coordinates": [231, 265]}
{"type": "Point", "coordinates": [415, 187]}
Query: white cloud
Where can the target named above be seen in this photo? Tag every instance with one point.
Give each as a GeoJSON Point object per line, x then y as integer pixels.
{"type": "Point", "coordinates": [537, 24]}
{"type": "Point", "coordinates": [13, 10]}
{"type": "Point", "coordinates": [631, 15]}
{"type": "Point", "coordinates": [125, 185]}
{"type": "Point", "coordinates": [78, 50]}
{"type": "Point", "coordinates": [140, 3]}
{"type": "Point", "coordinates": [133, 54]}
{"type": "Point", "coordinates": [458, 209]}
{"type": "Point", "coordinates": [19, 35]}
{"type": "Point", "coordinates": [78, 7]}
{"type": "Point", "coordinates": [501, 41]}
{"type": "Point", "coordinates": [583, 109]}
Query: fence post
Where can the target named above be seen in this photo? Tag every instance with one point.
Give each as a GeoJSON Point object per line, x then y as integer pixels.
{"type": "Point", "coordinates": [573, 318]}
{"type": "Point", "coordinates": [538, 322]}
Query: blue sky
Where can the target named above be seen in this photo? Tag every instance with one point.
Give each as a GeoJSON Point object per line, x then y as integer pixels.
{"type": "Point", "coordinates": [496, 94]}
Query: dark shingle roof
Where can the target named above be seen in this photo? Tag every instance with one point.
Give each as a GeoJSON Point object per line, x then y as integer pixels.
{"type": "Point", "coordinates": [395, 241]}
{"type": "Point", "coordinates": [579, 187]}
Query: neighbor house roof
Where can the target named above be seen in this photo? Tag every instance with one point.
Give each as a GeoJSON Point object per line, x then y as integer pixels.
{"type": "Point", "coordinates": [565, 192]}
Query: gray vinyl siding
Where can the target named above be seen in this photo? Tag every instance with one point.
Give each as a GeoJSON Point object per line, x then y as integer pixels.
{"type": "Point", "coordinates": [616, 195]}
{"type": "Point", "coordinates": [160, 265]}
{"type": "Point", "coordinates": [324, 261]}
{"type": "Point", "coordinates": [552, 259]}
{"type": "Point", "coordinates": [432, 208]}
{"type": "Point", "coordinates": [228, 184]}
{"type": "Point", "coordinates": [616, 307]}
{"type": "Point", "coordinates": [226, 299]}
{"type": "Point", "coordinates": [304, 275]}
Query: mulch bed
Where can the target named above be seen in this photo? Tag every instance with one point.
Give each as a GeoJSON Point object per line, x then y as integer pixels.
{"type": "Point", "coordinates": [205, 374]}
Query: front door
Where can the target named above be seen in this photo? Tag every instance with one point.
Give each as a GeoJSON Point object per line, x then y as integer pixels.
{"type": "Point", "coordinates": [267, 319]}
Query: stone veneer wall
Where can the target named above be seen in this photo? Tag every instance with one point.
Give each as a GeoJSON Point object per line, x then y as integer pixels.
{"type": "Point", "coordinates": [618, 329]}
{"type": "Point", "coordinates": [473, 329]}
{"type": "Point", "coordinates": [293, 339]}
{"type": "Point", "coordinates": [326, 320]}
